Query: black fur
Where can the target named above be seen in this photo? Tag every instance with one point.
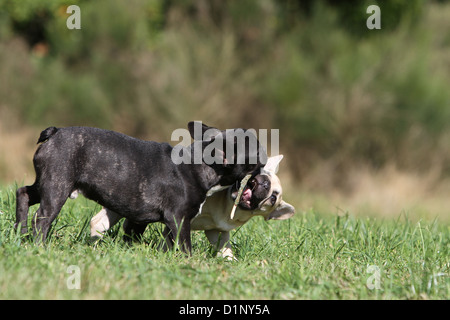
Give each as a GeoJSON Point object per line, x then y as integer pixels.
{"type": "Point", "coordinates": [137, 179]}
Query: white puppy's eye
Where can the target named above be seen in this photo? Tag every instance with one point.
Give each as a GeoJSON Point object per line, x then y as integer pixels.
{"type": "Point", "coordinates": [273, 199]}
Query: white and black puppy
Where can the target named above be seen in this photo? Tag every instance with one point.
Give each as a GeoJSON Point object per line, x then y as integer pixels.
{"type": "Point", "coordinates": [261, 197]}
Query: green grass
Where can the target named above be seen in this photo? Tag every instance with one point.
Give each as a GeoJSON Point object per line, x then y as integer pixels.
{"type": "Point", "coordinates": [310, 256]}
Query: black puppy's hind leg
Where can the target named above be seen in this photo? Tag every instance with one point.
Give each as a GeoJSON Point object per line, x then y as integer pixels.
{"type": "Point", "coordinates": [133, 231]}
{"type": "Point", "coordinates": [25, 197]}
{"type": "Point", "coordinates": [51, 203]}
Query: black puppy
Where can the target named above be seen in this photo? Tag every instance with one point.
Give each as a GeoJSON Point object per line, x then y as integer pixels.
{"type": "Point", "coordinates": [135, 178]}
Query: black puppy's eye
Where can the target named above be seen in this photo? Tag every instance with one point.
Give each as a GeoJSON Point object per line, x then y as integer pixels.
{"type": "Point", "coordinates": [273, 199]}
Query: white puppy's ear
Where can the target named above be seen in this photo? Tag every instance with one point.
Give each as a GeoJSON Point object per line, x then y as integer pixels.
{"type": "Point", "coordinates": [282, 212]}
{"type": "Point", "coordinates": [272, 165]}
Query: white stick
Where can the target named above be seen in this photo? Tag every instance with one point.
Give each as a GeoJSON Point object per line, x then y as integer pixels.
{"type": "Point", "coordinates": [239, 195]}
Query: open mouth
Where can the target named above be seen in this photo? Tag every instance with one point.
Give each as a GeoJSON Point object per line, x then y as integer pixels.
{"type": "Point", "coordinates": [245, 202]}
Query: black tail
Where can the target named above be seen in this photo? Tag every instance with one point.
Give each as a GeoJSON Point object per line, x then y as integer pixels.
{"type": "Point", "coordinates": [46, 134]}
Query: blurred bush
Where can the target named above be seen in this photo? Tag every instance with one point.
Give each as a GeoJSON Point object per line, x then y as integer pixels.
{"type": "Point", "coordinates": [352, 13]}
{"type": "Point", "coordinates": [338, 92]}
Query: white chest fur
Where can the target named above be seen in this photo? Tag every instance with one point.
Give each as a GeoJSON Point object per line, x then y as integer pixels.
{"type": "Point", "coordinates": [215, 214]}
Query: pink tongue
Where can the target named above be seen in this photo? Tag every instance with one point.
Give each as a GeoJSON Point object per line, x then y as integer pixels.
{"type": "Point", "coordinates": [247, 194]}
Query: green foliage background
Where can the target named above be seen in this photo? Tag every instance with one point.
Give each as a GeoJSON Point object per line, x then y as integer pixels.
{"type": "Point", "coordinates": [338, 91]}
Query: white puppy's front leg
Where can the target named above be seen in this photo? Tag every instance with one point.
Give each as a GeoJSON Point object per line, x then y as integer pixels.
{"type": "Point", "coordinates": [102, 221]}
{"type": "Point", "coordinates": [221, 241]}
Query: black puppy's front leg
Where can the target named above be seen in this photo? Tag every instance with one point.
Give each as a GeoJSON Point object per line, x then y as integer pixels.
{"type": "Point", "coordinates": [179, 229]}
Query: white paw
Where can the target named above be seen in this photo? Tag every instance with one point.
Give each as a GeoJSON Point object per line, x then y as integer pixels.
{"type": "Point", "coordinates": [227, 254]}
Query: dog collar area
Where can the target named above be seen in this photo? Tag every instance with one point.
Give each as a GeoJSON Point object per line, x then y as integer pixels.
{"type": "Point", "coordinates": [215, 189]}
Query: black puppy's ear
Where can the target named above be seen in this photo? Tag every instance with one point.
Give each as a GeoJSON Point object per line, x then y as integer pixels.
{"type": "Point", "coordinates": [191, 125]}
{"type": "Point", "coordinates": [214, 152]}
{"type": "Point", "coordinates": [197, 130]}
